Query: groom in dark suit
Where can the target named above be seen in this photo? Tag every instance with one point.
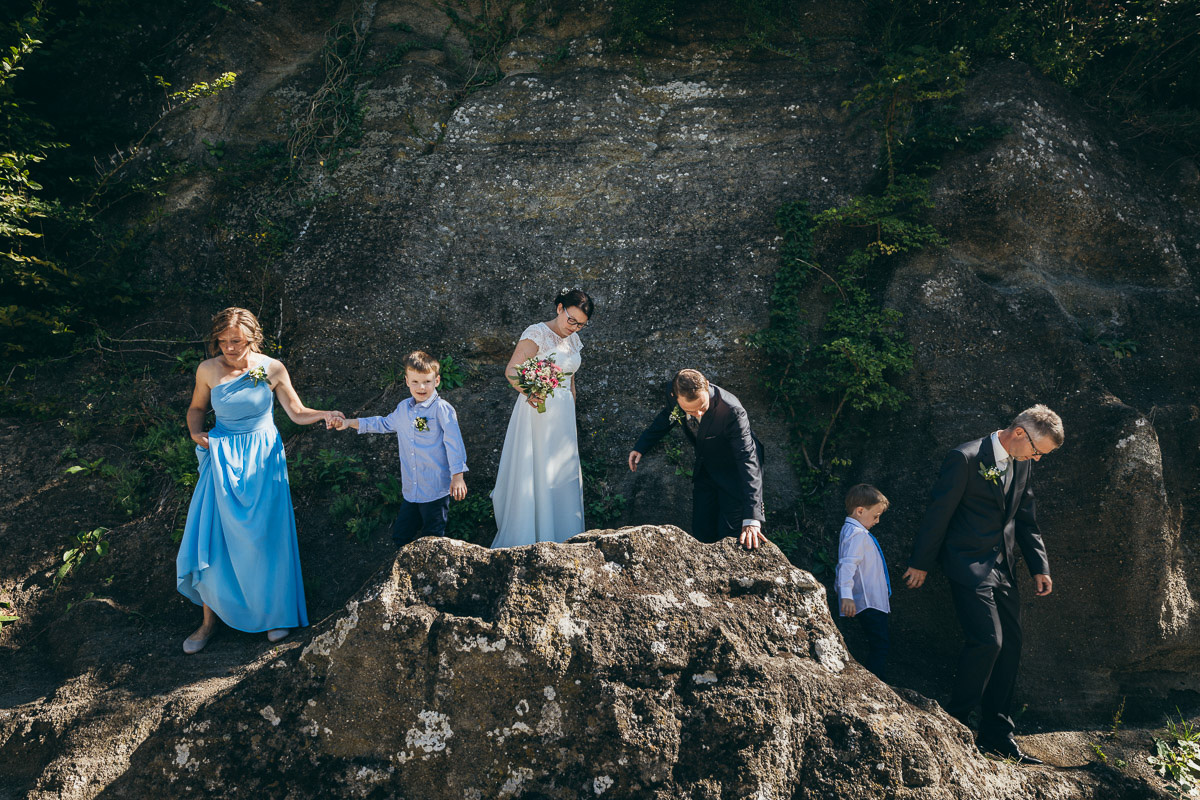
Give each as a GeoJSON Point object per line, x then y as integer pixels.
{"type": "Point", "coordinates": [981, 510]}
{"type": "Point", "coordinates": [727, 476]}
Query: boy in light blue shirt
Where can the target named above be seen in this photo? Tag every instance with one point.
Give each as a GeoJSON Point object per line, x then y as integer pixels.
{"type": "Point", "coordinates": [863, 585]}
{"type": "Point", "coordinates": [432, 456]}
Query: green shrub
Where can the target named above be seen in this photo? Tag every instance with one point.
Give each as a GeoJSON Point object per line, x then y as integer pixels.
{"type": "Point", "coordinates": [36, 291]}
{"type": "Point", "coordinates": [86, 548]}
{"type": "Point", "coordinates": [1136, 60]}
{"type": "Point", "coordinates": [1177, 757]}
{"type": "Point", "coordinates": [336, 470]}
{"type": "Point", "coordinates": [66, 264]}
{"type": "Point", "coordinates": [452, 373]}
{"type": "Point", "coordinates": [170, 451]}
{"type": "Point", "coordinates": [472, 519]}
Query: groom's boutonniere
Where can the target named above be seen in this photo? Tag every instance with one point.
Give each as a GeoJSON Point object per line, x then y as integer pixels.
{"type": "Point", "coordinates": [991, 474]}
{"type": "Point", "coordinates": [258, 374]}
{"type": "Point", "coordinates": [421, 423]}
{"type": "Point", "coordinates": [677, 415]}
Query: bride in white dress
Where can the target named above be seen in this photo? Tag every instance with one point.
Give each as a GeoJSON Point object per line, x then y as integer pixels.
{"type": "Point", "coordinates": [539, 486]}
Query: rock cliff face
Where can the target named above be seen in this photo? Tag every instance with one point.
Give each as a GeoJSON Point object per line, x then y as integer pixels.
{"type": "Point", "coordinates": [636, 663]}
{"type": "Point", "coordinates": [1060, 245]}
{"type": "Point", "coordinates": [652, 182]}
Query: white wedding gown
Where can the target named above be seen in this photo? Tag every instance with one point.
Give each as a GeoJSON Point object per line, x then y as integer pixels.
{"type": "Point", "coordinates": [539, 486]}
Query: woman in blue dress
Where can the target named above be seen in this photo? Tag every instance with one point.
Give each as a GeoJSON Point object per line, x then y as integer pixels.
{"type": "Point", "coordinates": [239, 558]}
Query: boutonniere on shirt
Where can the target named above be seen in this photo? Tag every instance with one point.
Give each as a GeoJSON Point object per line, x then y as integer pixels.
{"type": "Point", "coordinates": [677, 415]}
{"type": "Point", "coordinates": [258, 374]}
{"type": "Point", "coordinates": [421, 423]}
{"type": "Point", "coordinates": [991, 474]}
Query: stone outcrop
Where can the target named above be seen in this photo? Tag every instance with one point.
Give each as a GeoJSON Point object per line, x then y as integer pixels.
{"type": "Point", "coordinates": [1059, 246]}
{"type": "Point", "coordinates": [652, 182]}
{"type": "Point", "coordinates": [637, 663]}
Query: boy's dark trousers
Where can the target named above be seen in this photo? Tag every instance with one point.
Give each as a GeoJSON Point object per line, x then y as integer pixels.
{"type": "Point", "coordinates": [415, 517]}
{"type": "Point", "coordinates": [874, 624]}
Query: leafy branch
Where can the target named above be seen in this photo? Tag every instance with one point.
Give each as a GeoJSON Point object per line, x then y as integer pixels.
{"type": "Point", "coordinates": [175, 101]}
{"type": "Point", "coordinates": [827, 362]}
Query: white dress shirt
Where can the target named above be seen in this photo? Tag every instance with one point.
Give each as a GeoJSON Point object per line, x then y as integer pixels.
{"type": "Point", "coordinates": [1003, 459]}
{"type": "Point", "coordinates": [861, 573]}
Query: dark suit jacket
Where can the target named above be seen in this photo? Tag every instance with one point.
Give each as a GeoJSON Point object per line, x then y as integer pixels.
{"type": "Point", "coordinates": [726, 450]}
{"type": "Point", "coordinates": [969, 520]}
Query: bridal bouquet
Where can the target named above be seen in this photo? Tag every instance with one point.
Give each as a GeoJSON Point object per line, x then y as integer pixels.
{"type": "Point", "coordinates": [539, 377]}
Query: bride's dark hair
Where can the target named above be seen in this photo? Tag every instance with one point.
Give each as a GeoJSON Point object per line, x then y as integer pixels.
{"type": "Point", "coordinates": [577, 298]}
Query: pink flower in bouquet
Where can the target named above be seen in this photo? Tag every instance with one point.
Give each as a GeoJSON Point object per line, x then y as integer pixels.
{"type": "Point", "coordinates": [539, 377]}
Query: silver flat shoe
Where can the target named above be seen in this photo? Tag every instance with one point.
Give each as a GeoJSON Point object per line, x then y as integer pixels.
{"type": "Point", "coordinates": [278, 634]}
{"type": "Point", "coordinates": [192, 646]}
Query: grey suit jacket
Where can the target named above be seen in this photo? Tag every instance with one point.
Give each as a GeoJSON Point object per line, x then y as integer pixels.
{"type": "Point", "coordinates": [970, 521]}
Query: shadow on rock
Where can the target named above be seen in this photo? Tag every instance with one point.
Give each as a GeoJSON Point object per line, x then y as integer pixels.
{"type": "Point", "coordinates": [631, 663]}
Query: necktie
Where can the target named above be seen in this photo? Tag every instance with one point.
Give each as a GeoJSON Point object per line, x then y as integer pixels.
{"type": "Point", "coordinates": [883, 561]}
{"type": "Point", "coordinates": [693, 424]}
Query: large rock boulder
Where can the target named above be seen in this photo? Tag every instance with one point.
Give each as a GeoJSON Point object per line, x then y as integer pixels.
{"type": "Point", "coordinates": [637, 663]}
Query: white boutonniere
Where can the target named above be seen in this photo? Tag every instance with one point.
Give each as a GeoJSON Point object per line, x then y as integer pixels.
{"type": "Point", "coordinates": [259, 375]}
{"type": "Point", "coordinates": [677, 415]}
{"type": "Point", "coordinates": [991, 474]}
{"type": "Point", "coordinates": [421, 424]}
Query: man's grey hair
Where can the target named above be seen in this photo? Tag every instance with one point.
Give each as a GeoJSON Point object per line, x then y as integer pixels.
{"type": "Point", "coordinates": [1040, 422]}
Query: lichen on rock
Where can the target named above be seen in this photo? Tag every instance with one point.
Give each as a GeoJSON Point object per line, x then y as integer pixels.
{"type": "Point", "coordinates": [750, 694]}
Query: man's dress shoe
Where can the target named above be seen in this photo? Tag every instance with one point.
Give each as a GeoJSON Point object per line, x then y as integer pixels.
{"type": "Point", "coordinates": [1005, 748]}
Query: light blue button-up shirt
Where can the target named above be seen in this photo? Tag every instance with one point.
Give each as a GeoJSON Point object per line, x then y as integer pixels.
{"type": "Point", "coordinates": [427, 458]}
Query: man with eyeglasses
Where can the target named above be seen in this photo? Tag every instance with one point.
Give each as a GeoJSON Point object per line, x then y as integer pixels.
{"type": "Point", "coordinates": [981, 510]}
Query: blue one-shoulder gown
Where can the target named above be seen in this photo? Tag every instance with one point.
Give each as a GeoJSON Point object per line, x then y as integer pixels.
{"type": "Point", "coordinates": [239, 553]}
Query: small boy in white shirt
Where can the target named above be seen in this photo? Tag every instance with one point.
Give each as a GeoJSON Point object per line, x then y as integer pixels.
{"type": "Point", "coordinates": [863, 584]}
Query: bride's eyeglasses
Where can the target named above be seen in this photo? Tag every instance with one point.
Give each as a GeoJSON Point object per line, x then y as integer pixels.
{"type": "Point", "coordinates": [574, 323]}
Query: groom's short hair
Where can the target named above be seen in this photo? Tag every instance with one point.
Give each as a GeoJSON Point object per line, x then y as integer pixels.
{"type": "Point", "coordinates": [1041, 422]}
{"type": "Point", "coordinates": [689, 383]}
{"type": "Point", "coordinates": [420, 361]}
